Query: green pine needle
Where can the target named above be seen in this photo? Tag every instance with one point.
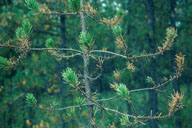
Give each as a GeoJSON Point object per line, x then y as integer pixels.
{"type": "Point", "coordinates": [79, 100]}
{"type": "Point", "coordinates": [120, 12]}
{"type": "Point", "coordinates": [85, 41]}
{"type": "Point", "coordinates": [70, 77]}
{"type": "Point", "coordinates": [123, 92]}
{"type": "Point", "coordinates": [149, 80]}
{"type": "Point", "coordinates": [117, 31]}
{"type": "Point", "coordinates": [32, 4]}
{"type": "Point", "coordinates": [124, 120]}
{"type": "Point", "coordinates": [27, 27]}
{"type": "Point", "coordinates": [74, 5]}
{"type": "Point", "coordinates": [25, 30]}
{"type": "Point", "coordinates": [3, 62]}
{"type": "Point", "coordinates": [30, 99]}
{"type": "Point", "coordinates": [20, 33]}
{"type": "Point", "coordinates": [171, 33]}
{"type": "Point", "coordinates": [50, 43]}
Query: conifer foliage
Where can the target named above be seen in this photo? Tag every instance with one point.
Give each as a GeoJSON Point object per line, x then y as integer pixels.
{"type": "Point", "coordinates": [80, 84]}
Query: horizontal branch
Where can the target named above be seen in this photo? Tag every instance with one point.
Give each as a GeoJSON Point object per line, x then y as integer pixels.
{"type": "Point", "coordinates": [142, 89]}
{"type": "Point", "coordinates": [64, 108]}
{"type": "Point", "coordinates": [147, 55]}
{"type": "Point", "coordinates": [74, 50]}
{"type": "Point", "coordinates": [157, 86]}
{"type": "Point", "coordinates": [107, 99]}
{"type": "Point", "coordinates": [74, 106]}
{"type": "Point", "coordinates": [124, 114]}
{"type": "Point", "coordinates": [46, 32]}
{"type": "Point", "coordinates": [94, 78]}
{"type": "Point", "coordinates": [125, 57]}
{"type": "Point", "coordinates": [59, 13]}
{"type": "Point", "coordinates": [40, 49]}
{"type": "Point", "coordinates": [68, 56]}
{"type": "Point", "coordinates": [108, 52]}
{"type": "Point", "coordinates": [138, 117]}
{"type": "Point", "coordinates": [94, 19]}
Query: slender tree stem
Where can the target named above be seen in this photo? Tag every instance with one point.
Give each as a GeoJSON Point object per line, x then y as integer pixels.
{"type": "Point", "coordinates": [86, 72]}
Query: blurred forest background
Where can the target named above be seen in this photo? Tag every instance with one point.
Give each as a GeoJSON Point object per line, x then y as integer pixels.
{"type": "Point", "coordinates": [144, 26]}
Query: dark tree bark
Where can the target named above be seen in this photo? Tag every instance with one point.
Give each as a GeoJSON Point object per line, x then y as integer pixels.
{"type": "Point", "coordinates": [10, 119]}
{"type": "Point", "coordinates": [63, 38]}
{"type": "Point", "coordinates": [172, 12]}
{"type": "Point", "coordinates": [128, 32]}
{"type": "Point", "coordinates": [5, 2]}
{"type": "Point", "coordinates": [188, 89]}
{"type": "Point", "coordinates": [151, 40]}
{"type": "Point", "coordinates": [128, 9]}
{"type": "Point", "coordinates": [62, 64]}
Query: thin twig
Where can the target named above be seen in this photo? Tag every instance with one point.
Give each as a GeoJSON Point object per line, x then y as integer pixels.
{"type": "Point", "coordinates": [68, 56]}
{"type": "Point", "coordinates": [108, 52]}
{"type": "Point", "coordinates": [64, 108]}
{"type": "Point", "coordinates": [59, 13]}
{"type": "Point", "coordinates": [94, 19]}
{"type": "Point", "coordinates": [155, 87]}
{"type": "Point", "coordinates": [39, 49]}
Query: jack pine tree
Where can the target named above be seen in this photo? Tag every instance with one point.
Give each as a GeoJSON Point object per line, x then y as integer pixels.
{"type": "Point", "coordinates": [80, 84]}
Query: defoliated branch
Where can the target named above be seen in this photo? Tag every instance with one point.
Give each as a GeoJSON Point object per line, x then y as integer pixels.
{"type": "Point", "coordinates": [39, 49]}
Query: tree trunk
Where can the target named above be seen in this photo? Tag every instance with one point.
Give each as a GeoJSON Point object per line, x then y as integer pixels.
{"type": "Point", "coordinates": [128, 32]}
{"type": "Point", "coordinates": [62, 21]}
{"type": "Point", "coordinates": [88, 91]}
{"type": "Point", "coordinates": [172, 12]}
{"type": "Point", "coordinates": [188, 89]}
{"type": "Point", "coordinates": [86, 72]}
{"type": "Point", "coordinates": [62, 64]}
{"type": "Point", "coordinates": [128, 9]}
{"type": "Point", "coordinates": [151, 39]}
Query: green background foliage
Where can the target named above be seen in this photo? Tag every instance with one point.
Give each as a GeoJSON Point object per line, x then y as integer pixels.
{"type": "Point", "coordinates": [40, 73]}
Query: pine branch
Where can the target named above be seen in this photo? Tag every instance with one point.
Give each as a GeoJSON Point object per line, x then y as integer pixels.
{"type": "Point", "coordinates": [39, 49]}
